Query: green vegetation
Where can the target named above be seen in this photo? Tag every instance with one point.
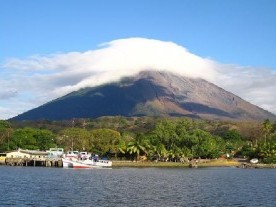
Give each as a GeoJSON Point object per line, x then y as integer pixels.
{"type": "Point", "coordinates": [141, 138]}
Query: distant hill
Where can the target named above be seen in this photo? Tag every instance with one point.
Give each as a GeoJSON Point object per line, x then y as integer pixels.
{"type": "Point", "coordinates": [150, 93]}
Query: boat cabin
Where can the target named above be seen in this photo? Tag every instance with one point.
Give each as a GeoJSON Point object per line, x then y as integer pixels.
{"type": "Point", "coordinates": [74, 154]}
{"type": "Point", "coordinates": [55, 152]}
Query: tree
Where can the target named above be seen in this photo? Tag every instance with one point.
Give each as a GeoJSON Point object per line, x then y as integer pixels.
{"type": "Point", "coordinates": [105, 141]}
{"type": "Point", "coordinates": [158, 151]}
{"type": "Point", "coordinates": [234, 141]}
{"type": "Point", "coordinates": [74, 139]}
{"type": "Point", "coordinates": [267, 152]}
{"type": "Point", "coordinates": [232, 134]}
{"type": "Point", "coordinates": [186, 152]}
{"type": "Point", "coordinates": [166, 133]}
{"type": "Point", "coordinates": [267, 127]}
{"type": "Point", "coordinates": [5, 135]}
{"type": "Point", "coordinates": [251, 131]}
{"type": "Point", "coordinates": [174, 153]}
{"type": "Point", "coordinates": [207, 146]}
{"type": "Point", "coordinates": [24, 138]}
{"type": "Point", "coordinates": [138, 146]}
{"type": "Point", "coordinates": [45, 139]}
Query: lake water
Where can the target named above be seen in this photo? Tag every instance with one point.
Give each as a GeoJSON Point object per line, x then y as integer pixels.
{"type": "Point", "coordinates": [31, 186]}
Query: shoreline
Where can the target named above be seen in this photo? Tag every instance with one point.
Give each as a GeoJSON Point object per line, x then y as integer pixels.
{"type": "Point", "coordinates": [202, 164]}
{"type": "Point", "coordinates": [212, 163]}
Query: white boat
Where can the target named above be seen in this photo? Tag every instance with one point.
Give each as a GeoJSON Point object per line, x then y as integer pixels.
{"type": "Point", "coordinates": [254, 161]}
{"type": "Point", "coordinates": [70, 162]}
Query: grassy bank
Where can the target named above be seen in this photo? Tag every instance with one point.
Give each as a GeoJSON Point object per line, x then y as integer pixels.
{"type": "Point", "coordinates": [212, 163]}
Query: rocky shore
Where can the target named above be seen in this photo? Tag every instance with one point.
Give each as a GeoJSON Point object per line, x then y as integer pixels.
{"type": "Point", "coordinates": [258, 165]}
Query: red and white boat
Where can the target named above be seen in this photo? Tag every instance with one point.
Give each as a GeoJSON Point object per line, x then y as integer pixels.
{"type": "Point", "coordinates": [71, 162]}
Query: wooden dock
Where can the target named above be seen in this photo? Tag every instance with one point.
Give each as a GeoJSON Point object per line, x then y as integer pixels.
{"type": "Point", "coordinates": [34, 162]}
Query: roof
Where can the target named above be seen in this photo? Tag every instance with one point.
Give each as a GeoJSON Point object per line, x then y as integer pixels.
{"type": "Point", "coordinates": [32, 152]}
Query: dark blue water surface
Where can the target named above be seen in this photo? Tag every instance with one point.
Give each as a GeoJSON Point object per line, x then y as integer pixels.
{"type": "Point", "coordinates": [34, 186]}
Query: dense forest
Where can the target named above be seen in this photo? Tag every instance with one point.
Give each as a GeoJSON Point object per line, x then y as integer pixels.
{"type": "Point", "coordinates": [130, 138]}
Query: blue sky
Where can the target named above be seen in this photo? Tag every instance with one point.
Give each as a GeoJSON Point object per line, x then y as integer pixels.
{"type": "Point", "coordinates": [240, 33]}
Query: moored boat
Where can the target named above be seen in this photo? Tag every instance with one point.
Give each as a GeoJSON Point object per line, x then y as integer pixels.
{"type": "Point", "coordinates": [70, 162]}
{"type": "Point", "coordinates": [254, 161]}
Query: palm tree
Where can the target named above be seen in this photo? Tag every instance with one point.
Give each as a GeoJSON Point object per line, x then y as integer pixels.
{"type": "Point", "coordinates": [267, 127]}
{"type": "Point", "coordinates": [159, 150]}
{"type": "Point", "coordinates": [174, 153]}
{"type": "Point", "coordinates": [138, 146]}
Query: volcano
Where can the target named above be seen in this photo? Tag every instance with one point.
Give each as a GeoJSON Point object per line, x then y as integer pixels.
{"type": "Point", "coordinates": [150, 93]}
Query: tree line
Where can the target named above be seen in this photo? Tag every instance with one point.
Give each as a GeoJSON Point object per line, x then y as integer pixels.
{"type": "Point", "coordinates": [165, 139]}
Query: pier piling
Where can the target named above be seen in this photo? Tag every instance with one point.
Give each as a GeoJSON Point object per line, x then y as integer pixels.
{"type": "Point", "coordinates": [34, 162]}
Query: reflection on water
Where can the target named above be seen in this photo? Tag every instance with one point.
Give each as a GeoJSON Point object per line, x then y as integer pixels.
{"type": "Point", "coordinates": [29, 186]}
